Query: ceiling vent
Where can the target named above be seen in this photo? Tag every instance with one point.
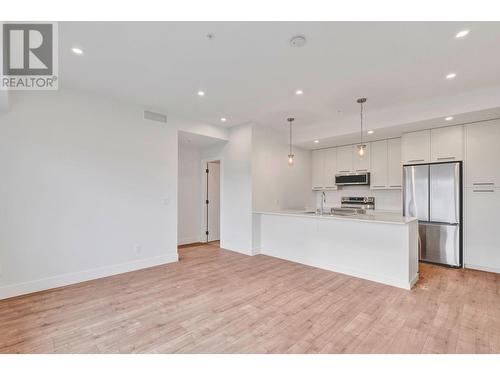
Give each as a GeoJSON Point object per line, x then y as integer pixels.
{"type": "Point", "coordinates": [155, 116]}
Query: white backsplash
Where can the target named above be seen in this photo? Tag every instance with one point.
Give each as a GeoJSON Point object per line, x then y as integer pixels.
{"type": "Point", "coordinates": [384, 199]}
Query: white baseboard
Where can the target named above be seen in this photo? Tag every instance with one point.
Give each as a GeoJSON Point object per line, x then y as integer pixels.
{"type": "Point", "coordinates": [414, 280]}
{"type": "Point", "coordinates": [14, 290]}
{"type": "Point", "coordinates": [244, 252]}
{"type": "Point", "coordinates": [482, 268]}
{"type": "Point", "coordinates": [187, 240]}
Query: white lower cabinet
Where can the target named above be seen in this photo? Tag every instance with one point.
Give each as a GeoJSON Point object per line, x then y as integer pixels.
{"type": "Point", "coordinates": [481, 224]}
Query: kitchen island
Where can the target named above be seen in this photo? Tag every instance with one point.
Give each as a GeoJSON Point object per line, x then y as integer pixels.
{"type": "Point", "coordinates": [378, 246]}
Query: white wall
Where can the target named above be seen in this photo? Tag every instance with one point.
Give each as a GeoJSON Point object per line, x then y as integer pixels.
{"type": "Point", "coordinates": [88, 189]}
{"type": "Point", "coordinates": [189, 195]}
{"type": "Point", "coordinates": [390, 200]}
{"type": "Point", "coordinates": [236, 230]}
{"type": "Point", "coordinates": [276, 185]}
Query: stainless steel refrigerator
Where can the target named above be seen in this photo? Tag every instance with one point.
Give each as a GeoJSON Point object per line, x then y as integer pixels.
{"type": "Point", "coordinates": [433, 194]}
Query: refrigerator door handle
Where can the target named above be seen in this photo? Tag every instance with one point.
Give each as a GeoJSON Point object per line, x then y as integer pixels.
{"type": "Point", "coordinates": [440, 223]}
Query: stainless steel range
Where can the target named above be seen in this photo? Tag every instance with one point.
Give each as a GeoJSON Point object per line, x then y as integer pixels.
{"type": "Point", "coordinates": [354, 205]}
{"type": "Point", "coordinates": [364, 203]}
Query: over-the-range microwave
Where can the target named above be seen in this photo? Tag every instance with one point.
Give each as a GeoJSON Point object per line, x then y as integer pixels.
{"type": "Point", "coordinates": [352, 179]}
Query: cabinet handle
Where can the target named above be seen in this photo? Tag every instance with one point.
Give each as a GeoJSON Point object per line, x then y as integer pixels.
{"type": "Point", "coordinates": [377, 186]}
{"type": "Point", "coordinates": [361, 170]}
{"type": "Point", "coordinates": [483, 191]}
{"type": "Point", "coordinates": [447, 158]}
{"type": "Point", "coordinates": [415, 160]}
{"type": "Point", "coordinates": [394, 185]}
{"type": "Point", "coordinates": [483, 183]}
{"type": "Point", "coordinates": [344, 171]}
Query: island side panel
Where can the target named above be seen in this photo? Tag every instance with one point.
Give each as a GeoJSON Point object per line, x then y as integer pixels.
{"type": "Point", "coordinates": [370, 250]}
{"type": "Point", "coordinates": [413, 252]}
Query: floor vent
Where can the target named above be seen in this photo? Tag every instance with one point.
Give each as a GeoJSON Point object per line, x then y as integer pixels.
{"type": "Point", "coordinates": [155, 116]}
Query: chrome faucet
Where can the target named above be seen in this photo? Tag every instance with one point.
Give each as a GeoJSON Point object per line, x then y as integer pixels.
{"type": "Point", "coordinates": [323, 201]}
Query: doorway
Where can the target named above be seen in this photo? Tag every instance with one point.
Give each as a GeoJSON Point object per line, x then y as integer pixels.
{"type": "Point", "coordinates": [212, 202]}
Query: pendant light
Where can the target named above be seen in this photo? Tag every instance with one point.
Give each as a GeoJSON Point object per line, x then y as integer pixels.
{"type": "Point", "coordinates": [361, 146]}
{"type": "Point", "coordinates": [290, 153]}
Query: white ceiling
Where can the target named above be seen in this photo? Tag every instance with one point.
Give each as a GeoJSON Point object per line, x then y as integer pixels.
{"type": "Point", "coordinates": [397, 131]}
{"type": "Point", "coordinates": [249, 71]}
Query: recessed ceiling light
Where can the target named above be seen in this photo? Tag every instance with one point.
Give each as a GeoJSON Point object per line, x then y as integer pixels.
{"type": "Point", "coordinates": [449, 118]}
{"type": "Point", "coordinates": [451, 76]}
{"type": "Point", "coordinates": [462, 33]}
{"type": "Point", "coordinates": [316, 141]}
{"type": "Point", "coordinates": [299, 92]}
{"type": "Point", "coordinates": [201, 93]}
{"type": "Point", "coordinates": [77, 51]}
{"type": "Point", "coordinates": [223, 119]}
{"type": "Point", "coordinates": [370, 131]}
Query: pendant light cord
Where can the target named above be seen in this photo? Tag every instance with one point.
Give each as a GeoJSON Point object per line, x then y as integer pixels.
{"type": "Point", "coordinates": [361, 101]}
{"type": "Point", "coordinates": [361, 124]}
{"type": "Point", "coordinates": [290, 120]}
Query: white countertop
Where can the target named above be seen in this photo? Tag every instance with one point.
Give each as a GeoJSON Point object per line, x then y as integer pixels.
{"type": "Point", "coordinates": [375, 216]}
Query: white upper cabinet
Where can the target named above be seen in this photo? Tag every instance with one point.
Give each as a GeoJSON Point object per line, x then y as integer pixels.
{"type": "Point", "coordinates": [330, 168]}
{"type": "Point", "coordinates": [324, 167]}
{"type": "Point", "coordinates": [395, 170]}
{"type": "Point", "coordinates": [318, 166]}
{"type": "Point", "coordinates": [344, 159]}
{"type": "Point", "coordinates": [447, 144]}
{"type": "Point", "coordinates": [416, 147]}
{"type": "Point", "coordinates": [361, 164]}
{"type": "Point", "coordinates": [482, 154]}
{"type": "Point", "coordinates": [379, 168]}
{"type": "Point", "coordinates": [386, 167]}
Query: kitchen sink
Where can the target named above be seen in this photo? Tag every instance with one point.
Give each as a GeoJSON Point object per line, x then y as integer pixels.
{"type": "Point", "coordinates": [336, 212]}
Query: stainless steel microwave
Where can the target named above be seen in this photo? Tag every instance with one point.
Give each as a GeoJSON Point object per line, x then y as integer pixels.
{"type": "Point", "coordinates": [352, 179]}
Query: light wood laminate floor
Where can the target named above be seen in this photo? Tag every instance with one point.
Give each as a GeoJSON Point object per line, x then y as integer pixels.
{"type": "Point", "coordinates": [218, 301]}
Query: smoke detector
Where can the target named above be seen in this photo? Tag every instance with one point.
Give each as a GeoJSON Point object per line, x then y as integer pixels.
{"type": "Point", "coordinates": [298, 41]}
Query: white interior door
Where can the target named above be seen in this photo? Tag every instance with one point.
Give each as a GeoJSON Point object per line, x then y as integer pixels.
{"type": "Point", "coordinates": [213, 199]}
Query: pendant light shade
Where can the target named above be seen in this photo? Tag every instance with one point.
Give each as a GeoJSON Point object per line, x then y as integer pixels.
{"type": "Point", "coordinates": [361, 146]}
{"type": "Point", "coordinates": [290, 153]}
